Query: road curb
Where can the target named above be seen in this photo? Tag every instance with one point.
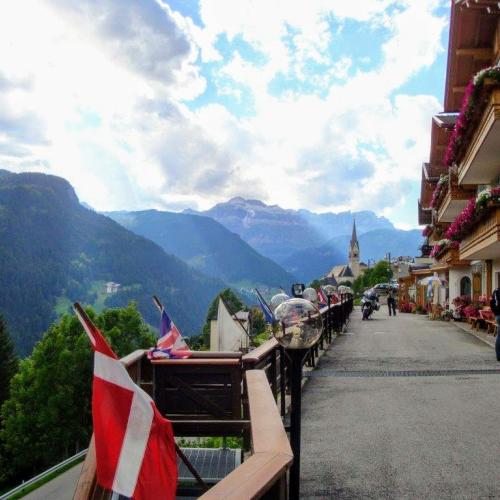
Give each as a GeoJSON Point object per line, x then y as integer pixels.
{"type": "Point", "coordinates": [466, 328]}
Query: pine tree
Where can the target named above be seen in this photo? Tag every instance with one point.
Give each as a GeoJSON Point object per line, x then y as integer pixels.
{"type": "Point", "coordinates": [47, 416]}
{"type": "Point", "coordinates": [8, 361]}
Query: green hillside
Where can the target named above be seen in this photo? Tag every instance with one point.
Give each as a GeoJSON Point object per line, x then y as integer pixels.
{"type": "Point", "coordinates": [207, 246]}
{"type": "Point", "coordinates": [53, 251]}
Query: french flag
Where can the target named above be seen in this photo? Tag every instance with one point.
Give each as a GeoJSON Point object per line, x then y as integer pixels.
{"type": "Point", "coordinates": [170, 343]}
{"type": "Point", "coordinates": [135, 447]}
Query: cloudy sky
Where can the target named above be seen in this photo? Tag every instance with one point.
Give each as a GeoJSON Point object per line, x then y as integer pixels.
{"type": "Point", "coordinates": [318, 104]}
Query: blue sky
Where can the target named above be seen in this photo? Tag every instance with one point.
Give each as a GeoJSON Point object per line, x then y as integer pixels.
{"type": "Point", "coordinates": [324, 105]}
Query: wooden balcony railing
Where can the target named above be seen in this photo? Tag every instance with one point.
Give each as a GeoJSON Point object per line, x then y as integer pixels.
{"type": "Point", "coordinates": [265, 471]}
{"type": "Point", "coordinates": [452, 202]}
{"type": "Point", "coordinates": [424, 214]}
{"type": "Point", "coordinates": [451, 257]}
{"type": "Point", "coordinates": [484, 241]}
{"type": "Point", "coordinates": [481, 158]}
{"type": "Point", "coordinates": [226, 394]}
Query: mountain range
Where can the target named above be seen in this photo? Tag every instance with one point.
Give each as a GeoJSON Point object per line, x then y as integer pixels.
{"type": "Point", "coordinates": [54, 251]}
{"type": "Point", "coordinates": [278, 233]}
{"type": "Point", "coordinates": [207, 246]}
{"type": "Point", "coordinates": [307, 244]}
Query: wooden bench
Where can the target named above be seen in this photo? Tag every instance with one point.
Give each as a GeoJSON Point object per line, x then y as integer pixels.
{"type": "Point", "coordinates": [492, 327]}
{"type": "Point", "coordinates": [489, 320]}
{"type": "Point", "coordinates": [474, 321]}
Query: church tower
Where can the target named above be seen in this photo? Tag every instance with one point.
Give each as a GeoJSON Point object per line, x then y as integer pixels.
{"type": "Point", "coordinates": [354, 253]}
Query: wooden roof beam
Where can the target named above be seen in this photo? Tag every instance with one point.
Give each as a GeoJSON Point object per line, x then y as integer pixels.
{"type": "Point", "coordinates": [487, 2]}
{"type": "Point", "coordinates": [481, 54]}
{"type": "Point", "coordinates": [487, 8]}
{"type": "Point", "coordinates": [458, 88]}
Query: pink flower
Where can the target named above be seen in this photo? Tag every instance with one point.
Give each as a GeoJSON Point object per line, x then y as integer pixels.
{"type": "Point", "coordinates": [467, 110]}
{"type": "Point", "coordinates": [463, 222]}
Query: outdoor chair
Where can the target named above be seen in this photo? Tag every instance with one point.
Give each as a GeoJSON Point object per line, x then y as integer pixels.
{"type": "Point", "coordinates": [474, 321]}
{"type": "Point", "coordinates": [489, 320]}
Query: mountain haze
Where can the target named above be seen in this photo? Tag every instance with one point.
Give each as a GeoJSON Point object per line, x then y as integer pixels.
{"type": "Point", "coordinates": [207, 246]}
{"type": "Point", "coordinates": [315, 262]}
{"type": "Point", "coordinates": [280, 233]}
{"type": "Point", "coordinates": [55, 251]}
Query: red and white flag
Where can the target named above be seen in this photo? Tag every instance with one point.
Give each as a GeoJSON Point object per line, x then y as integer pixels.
{"type": "Point", "coordinates": [322, 299]}
{"type": "Point", "coordinates": [135, 447]}
{"type": "Point", "coordinates": [170, 344]}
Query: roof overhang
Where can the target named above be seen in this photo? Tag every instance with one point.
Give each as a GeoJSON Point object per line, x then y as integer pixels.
{"type": "Point", "coordinates": [445, 120]}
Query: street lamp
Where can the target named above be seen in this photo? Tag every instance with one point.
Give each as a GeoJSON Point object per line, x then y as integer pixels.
{"type": "Point", "coordinates": [310, 294]}
{"type": "Point", "coordinates": [299, 328]}
{"type": "Point", "coordinates": [277, 299]}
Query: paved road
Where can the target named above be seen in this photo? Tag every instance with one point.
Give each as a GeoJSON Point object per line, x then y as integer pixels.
{"type": "Point", "coordinates": [60, 488]}
{"type": "Point", "coordinates": [406, 436]}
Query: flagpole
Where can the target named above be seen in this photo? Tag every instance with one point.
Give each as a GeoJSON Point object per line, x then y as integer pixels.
{"type": "Point", "coordinates": [157, 303]}
{"type": "Point", "coordinates": [180, 453]}
{"type": "Point", "coordinates": [262, 298]}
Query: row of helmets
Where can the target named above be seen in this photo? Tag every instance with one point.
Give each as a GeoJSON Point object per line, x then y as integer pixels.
{"type": "Point", "coordinates": [309, 294]}
{"type": "Point", "coordinates": [299, 321]}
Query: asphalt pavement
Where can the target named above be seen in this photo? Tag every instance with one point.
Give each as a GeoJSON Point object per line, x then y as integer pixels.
{"type": "Point", "coordinates": [402, 407]}
{"type": "Point", "coordinates": [60, 488]}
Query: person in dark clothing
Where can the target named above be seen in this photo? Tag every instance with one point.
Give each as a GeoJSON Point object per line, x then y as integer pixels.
{"type": "Point", "coordinates": [391, 302]}
{"type": "Point", "coordinates": [495, 309]}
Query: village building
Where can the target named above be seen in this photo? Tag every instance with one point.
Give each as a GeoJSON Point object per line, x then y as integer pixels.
{"type": "Point", "coordinates": [229, 332]}
{"type": "Point", "coordinates": [112, 287]}
{"type": "Point", "coordinates": [460, 182]}
{"type": "Point", "coordinates": [347, 273]}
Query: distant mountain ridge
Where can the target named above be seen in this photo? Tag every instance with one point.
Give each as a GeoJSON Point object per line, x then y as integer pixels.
{"type": "Point", "coordinates": [54, 251]}
{"type": "Point", "coordinates": [207, 246]}
{"type": "Point", "coordinates": [278, 233]}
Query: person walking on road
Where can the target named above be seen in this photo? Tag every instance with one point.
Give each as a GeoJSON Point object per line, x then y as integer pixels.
{"type": "Point", "coordinates": [391, 302]}
{"type": "Point", "coordinates": [495, 309]}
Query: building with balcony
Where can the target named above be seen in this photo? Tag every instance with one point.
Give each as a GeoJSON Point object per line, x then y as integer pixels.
{"type": "Point", "coordinates": [459, 185]}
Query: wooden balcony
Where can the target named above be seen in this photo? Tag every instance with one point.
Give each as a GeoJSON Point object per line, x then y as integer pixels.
{"type": "Point", "coordinates": [451, 258]}
{"type": "Point", "coordinates": [484, 241]}
{"type": "Point", "coordinates": [481, 162]}
{"type": "Point", "coordinates": [225, 394]}
{"type": "Point", "coordinates": [452, 203]}
{"type": "Point", "coordinates": [424, 214]}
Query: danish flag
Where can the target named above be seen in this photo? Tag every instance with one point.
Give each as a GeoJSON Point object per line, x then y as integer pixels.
{"type": "Point", "coordinates": [135, 447]}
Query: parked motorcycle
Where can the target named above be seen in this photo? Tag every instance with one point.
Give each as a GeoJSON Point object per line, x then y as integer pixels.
{"type": "Point", "coordinates": [369, 303]}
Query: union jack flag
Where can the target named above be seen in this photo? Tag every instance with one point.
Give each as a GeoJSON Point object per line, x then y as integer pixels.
{"type": "Point", "coordinates": [170, 344]}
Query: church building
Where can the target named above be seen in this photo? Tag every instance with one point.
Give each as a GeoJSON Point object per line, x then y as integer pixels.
{"type": "Point", "coordinates": [349, 272]}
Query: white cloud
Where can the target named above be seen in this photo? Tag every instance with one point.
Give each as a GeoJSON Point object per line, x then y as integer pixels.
{"type": "Point", "coordinates": [96, 91]}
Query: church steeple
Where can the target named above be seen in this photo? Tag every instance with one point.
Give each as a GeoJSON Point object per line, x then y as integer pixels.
{"type": "Point", "coordinates": [354, 238]}
{"type": "Point", "coordinates": [354, 252]}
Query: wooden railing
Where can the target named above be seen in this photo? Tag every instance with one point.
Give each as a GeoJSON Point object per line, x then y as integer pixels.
{"type": "Point", "coordinates": [227, 394]}
{"type": "Point", "coordinates": [483, 238]}
{"type": "Point", "coordinates": [264, 473]}
{"type": "Point", "coordinates": [475, 165]}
